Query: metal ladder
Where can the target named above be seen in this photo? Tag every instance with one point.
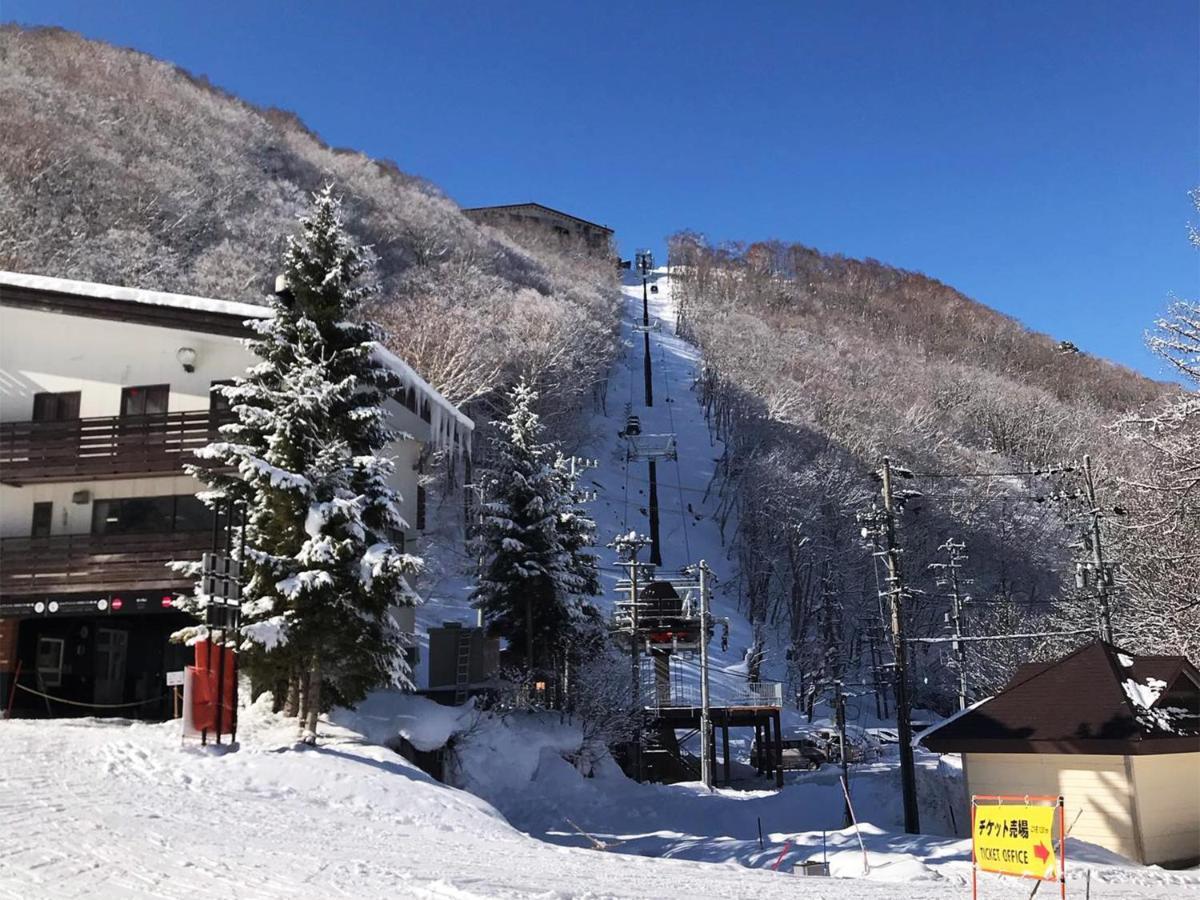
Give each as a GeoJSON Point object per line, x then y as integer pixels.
{"type": "Point", "coordinates": [462, 677]}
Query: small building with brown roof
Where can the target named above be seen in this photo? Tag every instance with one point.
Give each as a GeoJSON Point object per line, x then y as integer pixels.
{"type": "Point", "coordinates": [1114, 733]}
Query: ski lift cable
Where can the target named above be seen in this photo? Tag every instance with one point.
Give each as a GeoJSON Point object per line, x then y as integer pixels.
{"type": "Point", "coordinates": [678, 472]}
{"type": "Point", "coordinates": [629, 406]}
{"type": "Point", "coordinates": [677, 486]}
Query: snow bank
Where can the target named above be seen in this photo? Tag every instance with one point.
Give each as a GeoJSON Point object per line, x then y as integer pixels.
{"type": "Point", "coordinates": [385, 715]}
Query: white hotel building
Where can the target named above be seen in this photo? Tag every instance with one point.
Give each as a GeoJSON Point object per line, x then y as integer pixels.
{"type": "Point", "coordinates": [104, 393]}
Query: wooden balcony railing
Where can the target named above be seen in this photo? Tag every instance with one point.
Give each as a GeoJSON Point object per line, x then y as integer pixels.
{"type": "Point", "coordinates": [76, 563]}
{"type": "Point", "coordinates": [103, 447]}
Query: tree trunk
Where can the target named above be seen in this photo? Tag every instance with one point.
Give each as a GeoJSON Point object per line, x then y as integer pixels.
{"type": "Point", "coordinates": [301, 695]}
{"type": "Point", "coordinates": [529, 633]}
{"type": "Point", "coordinates": [312, 702]}
{"type": "Point", "coordinates": [291, 705]}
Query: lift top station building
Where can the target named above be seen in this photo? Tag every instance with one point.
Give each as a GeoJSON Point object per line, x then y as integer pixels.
{"type": "Point", "coordinates": [516, 216]}
{"type": "Point", "coordinates": [107, 391]}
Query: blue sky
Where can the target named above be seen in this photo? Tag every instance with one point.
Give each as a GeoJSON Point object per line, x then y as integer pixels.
{"type": "Point", "coordinates": [1037, 156]}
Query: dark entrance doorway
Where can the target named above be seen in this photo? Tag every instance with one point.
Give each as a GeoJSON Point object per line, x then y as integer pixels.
{"type": "Point", "coordinates": [109, 665]}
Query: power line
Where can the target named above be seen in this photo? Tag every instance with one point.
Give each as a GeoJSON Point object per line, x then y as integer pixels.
{"type": "Point", "coordinates": [1000, 637]}
{"type": "Point", "coordinates": [1024, 473]}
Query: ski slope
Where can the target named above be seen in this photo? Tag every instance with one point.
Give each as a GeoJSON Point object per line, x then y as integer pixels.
{"type": "Point", "coordinates": [688, 526]}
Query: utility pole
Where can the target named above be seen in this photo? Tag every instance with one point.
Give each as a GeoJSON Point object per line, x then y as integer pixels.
{"type": "Point", "coordinates": [706, 773]}
{"type": "Point", "coordinates": [840, 707]}
{"type": "Point", "coordinates": [635, 657]}
{"type": "Point", "coordinates": [954, 558]}
{"type": "Point", "coordinates": [1102, 577]}
{"type": "Point", "coordinates": [895, 590]}
{"type": "Point", "coordinates": [632, 544]}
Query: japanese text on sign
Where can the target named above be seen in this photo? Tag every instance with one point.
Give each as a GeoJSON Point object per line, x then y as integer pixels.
{"type": "Point", "coordinates": [1016, 838]}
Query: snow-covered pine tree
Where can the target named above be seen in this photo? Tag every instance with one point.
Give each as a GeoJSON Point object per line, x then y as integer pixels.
{"type": "Point", "coordinates": [535, 573]}
{"type": "Point", "coordinates": [304, 454]}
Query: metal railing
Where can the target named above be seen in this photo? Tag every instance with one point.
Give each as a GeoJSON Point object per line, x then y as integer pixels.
{"type": "Point", "coordinates": [103, 446]}
{"type": "Point", "coordinates": [684, 692]}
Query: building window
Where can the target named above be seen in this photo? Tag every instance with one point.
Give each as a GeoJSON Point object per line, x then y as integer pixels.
{"type": "Point", "coordinates": [50, 661]}
{"type": "Point", "coordinates": [61, 407]}
{"type": "Point", "coordinates": [150, 515]}
{"type": "Point", "coordinates": [42, 519]}
{"type": "Point", "coordinates": [420, 508]}
{"type": "Point", "coordinates": [145, 400]}
{"type": "Point", "coordinates": [218, 404]}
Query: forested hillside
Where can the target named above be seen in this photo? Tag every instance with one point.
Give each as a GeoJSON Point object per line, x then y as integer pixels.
{"type": "Point", "coordinates": [818, 366]}
{"type": "Point", "coordinates": [120, 168]}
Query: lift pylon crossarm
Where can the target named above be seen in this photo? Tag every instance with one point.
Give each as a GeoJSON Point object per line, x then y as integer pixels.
{"type": "Point", "coordinates": [650, 447]}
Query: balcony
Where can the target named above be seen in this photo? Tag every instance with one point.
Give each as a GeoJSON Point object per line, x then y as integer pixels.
{"type": "Point", "coordinates": [103, 447]}
{"type": "Point", "coordinates": [96, 564]}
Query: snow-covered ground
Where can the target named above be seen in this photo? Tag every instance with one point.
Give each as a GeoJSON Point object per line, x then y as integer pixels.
{"type": "Point", "coordinates": [116, 809]}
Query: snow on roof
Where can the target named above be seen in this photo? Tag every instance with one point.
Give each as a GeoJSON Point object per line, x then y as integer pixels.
{"type": "Point", "coordinates": [133, 295]}
{"type": "Point", "coordinates": [451, 428]}
{"type": "Point", "coordinates": [450, 425]}
{"type": "Point", "coordinates": [920, 736]}
{"type": "Point", "coordinates": [1086, 702]}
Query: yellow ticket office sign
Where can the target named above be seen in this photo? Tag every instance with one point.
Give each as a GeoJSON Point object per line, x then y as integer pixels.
{"type": "Point", "coordinates": [1021, 836]}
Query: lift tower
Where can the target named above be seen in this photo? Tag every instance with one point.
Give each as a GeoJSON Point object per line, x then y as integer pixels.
{"type": "Point", "coordinates": [651, 448]}
{"type": "Point", "coordinates": [645, 265]}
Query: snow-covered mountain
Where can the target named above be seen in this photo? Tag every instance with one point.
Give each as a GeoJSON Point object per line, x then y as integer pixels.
{"type": "Point", "coordinates": [121, 168]}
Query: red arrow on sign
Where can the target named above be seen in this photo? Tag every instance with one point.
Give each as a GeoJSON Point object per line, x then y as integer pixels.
{"type": "Point", "coordinates": [1041, 852]}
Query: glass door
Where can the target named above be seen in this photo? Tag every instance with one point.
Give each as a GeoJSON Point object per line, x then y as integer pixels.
{"type": "Point", "coordinates": [111, 647]}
